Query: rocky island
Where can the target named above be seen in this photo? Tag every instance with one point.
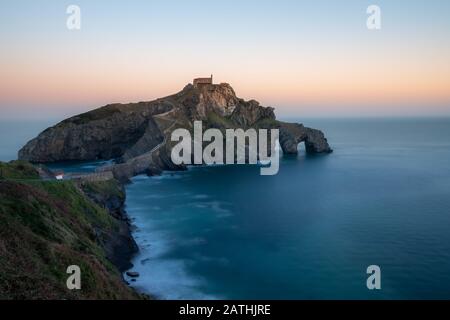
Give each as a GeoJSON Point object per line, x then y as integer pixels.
{"type": "Point", "coordinates": [137, 135]}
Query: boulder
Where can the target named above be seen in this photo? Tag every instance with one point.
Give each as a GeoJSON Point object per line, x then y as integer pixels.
{"type": "Point", "coordinates": [133, 274]}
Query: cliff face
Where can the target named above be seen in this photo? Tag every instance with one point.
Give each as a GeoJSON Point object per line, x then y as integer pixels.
{"type": "Point", "coordinates": [104, 133]}
{"type": "Point", "coordinates": [119, 245]}
{"type": "Point", "coordinates": [138, 134]}
{"type": "Point", "coordinates": [48, 225]}
{"type": "Point", "coordinates": [220, 99]}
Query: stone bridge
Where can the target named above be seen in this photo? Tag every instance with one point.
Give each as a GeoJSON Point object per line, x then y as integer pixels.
{"type": "Point", "coordinates": [92, 177]}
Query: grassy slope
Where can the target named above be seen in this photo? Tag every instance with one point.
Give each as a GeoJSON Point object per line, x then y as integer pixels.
{"type": "Point", "coordinates": [45, 227]}
{"type": "Point", "coordinates": [18, 170]}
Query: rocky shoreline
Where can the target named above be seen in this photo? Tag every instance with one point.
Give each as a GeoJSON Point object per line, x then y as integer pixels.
{"type": "Point", "coordinates": [121, 246]}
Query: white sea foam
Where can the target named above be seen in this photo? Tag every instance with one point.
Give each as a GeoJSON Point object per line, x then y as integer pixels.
{"type": "Point", "coordinates": [160, 276]}
{"type": "Point", "coordinates": [167, 279]}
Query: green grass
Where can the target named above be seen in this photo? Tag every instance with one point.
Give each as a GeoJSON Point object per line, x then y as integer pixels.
{"type": "Point", "coordinates": [47, 226]}
{"type": "Point", "coordinates": [79, 205]}
{"type": "Point", "coordinates": [18, 170]}
{"type": "Point", "coordinates": [110, 188]}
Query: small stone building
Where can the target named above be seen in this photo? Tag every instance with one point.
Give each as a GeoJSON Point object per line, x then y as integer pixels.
{"type": "Point", "coordinates": [203, 81]}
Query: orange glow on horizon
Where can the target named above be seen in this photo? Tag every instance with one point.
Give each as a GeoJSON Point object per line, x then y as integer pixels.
{"type": "Point", "coordinates": [92, 81]}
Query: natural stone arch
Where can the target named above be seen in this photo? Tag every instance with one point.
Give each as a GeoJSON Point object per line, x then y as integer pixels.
{"type": "Point", "coordinates": [291, 134]}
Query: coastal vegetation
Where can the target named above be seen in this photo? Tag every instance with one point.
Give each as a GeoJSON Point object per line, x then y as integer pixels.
{"type": "Point", "coordinates": [48, 225]}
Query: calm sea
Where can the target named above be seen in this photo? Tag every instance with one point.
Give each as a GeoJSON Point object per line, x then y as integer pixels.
{"type": "Point", "coordinates": [309, 232]}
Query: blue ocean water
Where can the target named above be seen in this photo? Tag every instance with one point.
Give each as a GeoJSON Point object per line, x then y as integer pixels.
{"type": "Point", "coordinates": [309, 232]}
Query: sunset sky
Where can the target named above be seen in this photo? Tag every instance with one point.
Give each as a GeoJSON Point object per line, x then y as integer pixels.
{"type": "Point", "coordinates": [306, 58]}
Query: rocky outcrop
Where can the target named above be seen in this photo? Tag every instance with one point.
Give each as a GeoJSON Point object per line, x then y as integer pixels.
{"type": "Point", "coordinates": [249, 113]}
{"type": "Point", "coordinates": [137, 135]}
{"type": "Point", "coordinates": [220, 99]}
{"type": "Point", "coordinates": [105, 133]}
{"type": "Point", "coordinates": [291, 134]}
{"type": "Point", "coordinates": [120, 245]}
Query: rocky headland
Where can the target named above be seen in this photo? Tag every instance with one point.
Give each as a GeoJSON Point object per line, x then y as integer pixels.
{"type": "Point", "coordinates": [137, 135]}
